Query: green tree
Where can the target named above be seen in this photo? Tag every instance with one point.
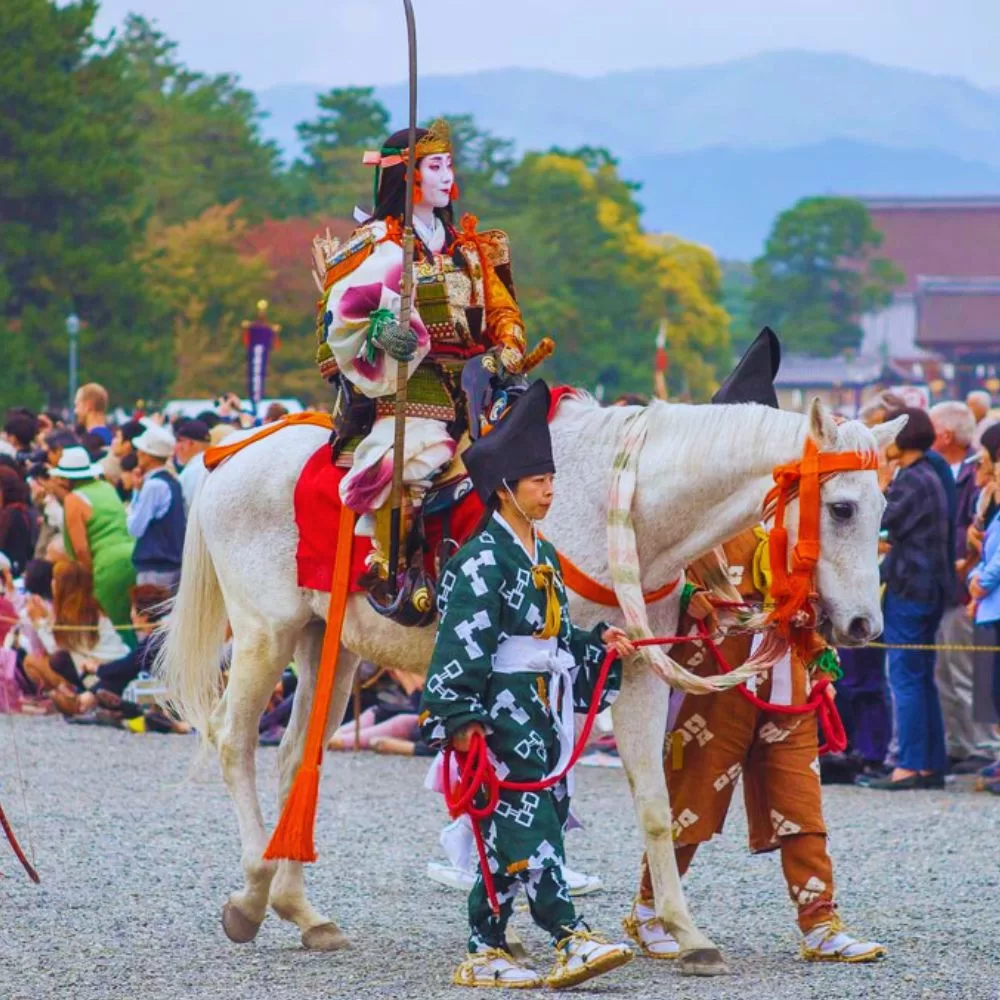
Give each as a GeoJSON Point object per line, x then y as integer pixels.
{"type": "Point", "coordinates": [69, 173]}
{"type": "Point", "coordinates": [818, 275]}
{"type": "Point", "coordinates": [198, 136]}
{"type": "Point", "coordinates": [588, 276]}
{"type": "Point", "coordinates": [331, 178]}
{"type": "Point", "coordinates": [737, 280]}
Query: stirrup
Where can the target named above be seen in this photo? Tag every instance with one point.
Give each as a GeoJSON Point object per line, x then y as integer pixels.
{"type": "Point", "coordinates": [475, 971]}
{"type": "Point", "coordinates": [634, 927]}
{"type": "Point", "coordinates": [839, 944]}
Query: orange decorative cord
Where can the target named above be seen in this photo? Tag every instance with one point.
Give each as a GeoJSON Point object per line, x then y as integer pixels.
{"type": "Point", "coordinates": [792, 588]}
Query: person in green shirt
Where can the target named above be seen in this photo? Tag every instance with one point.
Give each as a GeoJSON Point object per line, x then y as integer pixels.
{"type": "Point", "coordinates": [95, 533]}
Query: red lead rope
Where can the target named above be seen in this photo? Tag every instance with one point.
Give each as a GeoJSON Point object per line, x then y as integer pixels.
{"type": "Point", "coordinates": [478, 787]}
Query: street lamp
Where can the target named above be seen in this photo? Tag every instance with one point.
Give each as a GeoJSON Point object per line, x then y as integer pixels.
{"type": "Point", "coordinates": [73, 330]}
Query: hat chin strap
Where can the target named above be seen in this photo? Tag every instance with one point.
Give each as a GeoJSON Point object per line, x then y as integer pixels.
{"type": "Point", "coordinates": [521, 510]}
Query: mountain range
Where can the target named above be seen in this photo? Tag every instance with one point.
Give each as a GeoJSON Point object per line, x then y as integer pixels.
{"type": "Point", "coordinates": [720, 150]}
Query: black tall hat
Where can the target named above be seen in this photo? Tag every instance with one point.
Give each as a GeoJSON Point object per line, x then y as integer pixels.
{"type": "Point", "coordinates": [519, 446]}
{"type": "Point", "coordinates": [752, 380]}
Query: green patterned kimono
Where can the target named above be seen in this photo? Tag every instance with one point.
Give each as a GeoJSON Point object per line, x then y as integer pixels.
{"type": "Point", "coordinates": [490, 610]}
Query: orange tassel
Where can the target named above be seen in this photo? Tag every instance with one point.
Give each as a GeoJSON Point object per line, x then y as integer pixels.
{"type": "Point", "coordinates": [292, 839]}
{"type": "Point", "coordinates": [454, 193]}
{"type": "Point", "coordinates": [418, 195]}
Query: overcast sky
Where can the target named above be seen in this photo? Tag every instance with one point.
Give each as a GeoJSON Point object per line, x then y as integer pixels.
{"type": "Point", "coordinates": [337, 42]}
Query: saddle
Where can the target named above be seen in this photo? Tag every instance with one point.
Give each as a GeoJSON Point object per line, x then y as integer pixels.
{"type": "Point", "coordinates": [487, 392]}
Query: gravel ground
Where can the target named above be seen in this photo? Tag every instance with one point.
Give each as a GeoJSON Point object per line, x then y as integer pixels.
{"type": "Point", "coordinates": [136, 859]}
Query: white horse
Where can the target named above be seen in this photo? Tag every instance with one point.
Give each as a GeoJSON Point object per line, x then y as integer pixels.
{"type": "Point", "coordinates": [703, 474]}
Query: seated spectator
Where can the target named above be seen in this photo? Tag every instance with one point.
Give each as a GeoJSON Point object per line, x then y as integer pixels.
{"type": "Point", "coordinates": [149, 606]}
{"type": "Point", "coordinates": [20, 431]}
{"type": "Point", "coordinates": [56, 442]}
{"type": "Point", "coordinates": [128, 484]}
{"type": "Point", "coordinates": [157, 519]}
{"type": "Point", "coordinates": [193, 440]}
{"type": "Point", "coordinates": [275, 411]}
{"type": "Point", "coordinates": [91, 409]}
{"type": "Point", "coordinates": [18, 520]}
{"type": "Point", "coordinates": [96, 533]}
{"type": "Point", "coordinates": [76, 638]}
{"type": "Point", "coordinates": [121, 448]}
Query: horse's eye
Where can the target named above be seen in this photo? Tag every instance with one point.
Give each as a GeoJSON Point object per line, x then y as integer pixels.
{"type": "Point", "coordinates": [842, 511]}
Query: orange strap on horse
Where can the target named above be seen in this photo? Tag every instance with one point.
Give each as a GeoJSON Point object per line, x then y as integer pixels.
{"type": "Point", "coordinates": [591, 590]}
{"type": "Point", "coordinates": [791, 589]}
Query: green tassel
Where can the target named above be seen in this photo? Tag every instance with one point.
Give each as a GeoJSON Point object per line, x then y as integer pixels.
{"type": "Point", "coordinates": [377, 322]}
{"type": "Point", "coordinates": [828, 662]}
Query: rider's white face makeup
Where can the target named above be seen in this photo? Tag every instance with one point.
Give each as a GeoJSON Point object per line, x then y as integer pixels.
{"type": "Point", "coordinates": [436, 180]}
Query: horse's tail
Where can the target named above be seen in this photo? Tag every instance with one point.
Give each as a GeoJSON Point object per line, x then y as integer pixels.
{"type": "Point", "coordinates": [190, 655]}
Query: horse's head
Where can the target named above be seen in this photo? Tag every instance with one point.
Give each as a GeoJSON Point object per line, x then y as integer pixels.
{"type": "Point", "coordinates": [851, 507]}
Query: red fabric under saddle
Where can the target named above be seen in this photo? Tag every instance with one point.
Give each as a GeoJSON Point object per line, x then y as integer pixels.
{"type": "Point", "coordinates": [317, 511]}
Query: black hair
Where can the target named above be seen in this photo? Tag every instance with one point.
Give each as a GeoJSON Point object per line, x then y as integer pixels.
{"type": "Point", "coordinates": [129, 462]}
{"type": "Point", "coordinates": [38, 578]}
{"type": "Point", "coordinates": [391, 199]}
{"type": "Point", "coordinates": [990, 440]}
{"type": "Point", "coordinates": [209, 418]}
{"type": "Point", "coordinates": [22, 427]}
{"type": "Point", "coordinates": [61, 438]}
{"type": "Point", "coordinates": [918, 434]}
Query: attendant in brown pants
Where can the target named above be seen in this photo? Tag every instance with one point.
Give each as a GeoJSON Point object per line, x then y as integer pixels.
{"type": "Point", "coordinates": [719, 738]}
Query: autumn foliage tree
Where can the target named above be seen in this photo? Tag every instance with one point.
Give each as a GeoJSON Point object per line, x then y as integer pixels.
{"type": "Point", "coordinates": [205, 284]}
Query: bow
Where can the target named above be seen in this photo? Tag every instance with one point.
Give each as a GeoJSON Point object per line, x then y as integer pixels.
{"type": "Point", "coordinates": [16, 847]}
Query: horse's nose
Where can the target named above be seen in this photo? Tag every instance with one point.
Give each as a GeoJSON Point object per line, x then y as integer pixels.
{"type": "Point", "coordinates": [860, 629]}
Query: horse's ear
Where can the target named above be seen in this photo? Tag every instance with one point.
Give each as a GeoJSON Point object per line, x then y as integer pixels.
{"type": "Point", "coordinates": [888, 432]}
{"type": "Point", "coordinates": [821, 425]}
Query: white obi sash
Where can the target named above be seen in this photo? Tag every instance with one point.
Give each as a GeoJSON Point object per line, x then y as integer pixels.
{"type": "Point", "coordinates": [524, 654]}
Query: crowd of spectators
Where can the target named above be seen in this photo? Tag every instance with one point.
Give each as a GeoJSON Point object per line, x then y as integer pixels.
{"type": "Point", "coordinates": [92, 520]}
{"type": "Point", "coordinates": [924, 706]}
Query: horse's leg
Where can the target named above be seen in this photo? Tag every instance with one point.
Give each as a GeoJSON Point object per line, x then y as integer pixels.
{"type": "Point", "coordinates": [640, 721]}
{"type": "Point", "coordinates": [288, 896]}
{"type": "Point", "coordinates": [259, 656]}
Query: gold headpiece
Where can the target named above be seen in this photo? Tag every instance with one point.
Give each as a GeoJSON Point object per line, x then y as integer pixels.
{"type": "Point", "coordinates": [437, 139]}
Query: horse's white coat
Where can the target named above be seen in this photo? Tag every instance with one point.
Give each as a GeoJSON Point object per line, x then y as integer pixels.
{"type": "Point", "coordinates": [703, 475]}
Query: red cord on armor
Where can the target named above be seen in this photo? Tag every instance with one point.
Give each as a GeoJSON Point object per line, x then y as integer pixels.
{"type": "Point", "coordinates": [477, 778]}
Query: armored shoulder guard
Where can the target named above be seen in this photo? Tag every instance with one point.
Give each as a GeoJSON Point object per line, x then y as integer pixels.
{"type": "Point", "coordinates": [496, 246]}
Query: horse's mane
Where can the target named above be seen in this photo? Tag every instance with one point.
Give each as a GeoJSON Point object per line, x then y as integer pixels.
{"type": "Point", "coordinates": [691, 425]}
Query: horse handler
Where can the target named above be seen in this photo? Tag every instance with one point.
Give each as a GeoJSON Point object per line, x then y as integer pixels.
{"type": "Point", "coordinates": [717, 739]}
{"type": "Point", "coordinates": [509, 667]}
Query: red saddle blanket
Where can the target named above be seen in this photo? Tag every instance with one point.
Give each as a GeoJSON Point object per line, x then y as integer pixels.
{"type": "Point", "coordinates": [317, 512]}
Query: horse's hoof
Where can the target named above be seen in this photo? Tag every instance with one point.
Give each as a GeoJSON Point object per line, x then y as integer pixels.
{"type": "Point", "coordinates": [238, 926]}
{"type": "Point", "coordinates": [324, 937]}
{"type": "Point", "coordinates": [702, 962]}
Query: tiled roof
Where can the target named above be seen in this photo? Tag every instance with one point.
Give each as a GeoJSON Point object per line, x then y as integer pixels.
{"type": "Point", "coordinates": [954, 311]}
{"type": "Point", "coordinates": [948, 237]}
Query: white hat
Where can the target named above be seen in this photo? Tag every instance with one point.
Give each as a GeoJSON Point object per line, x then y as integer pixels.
{"type": "Point", "coordinates": [156, 441]}
{"type": "Point", "coordinates": [75, 464]}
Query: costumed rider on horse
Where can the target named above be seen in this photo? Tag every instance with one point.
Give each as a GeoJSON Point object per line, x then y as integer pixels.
{"type": "Point", "coordinates": [510, 669]}
{"type": "Point", "coordinates": [463, 307]}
